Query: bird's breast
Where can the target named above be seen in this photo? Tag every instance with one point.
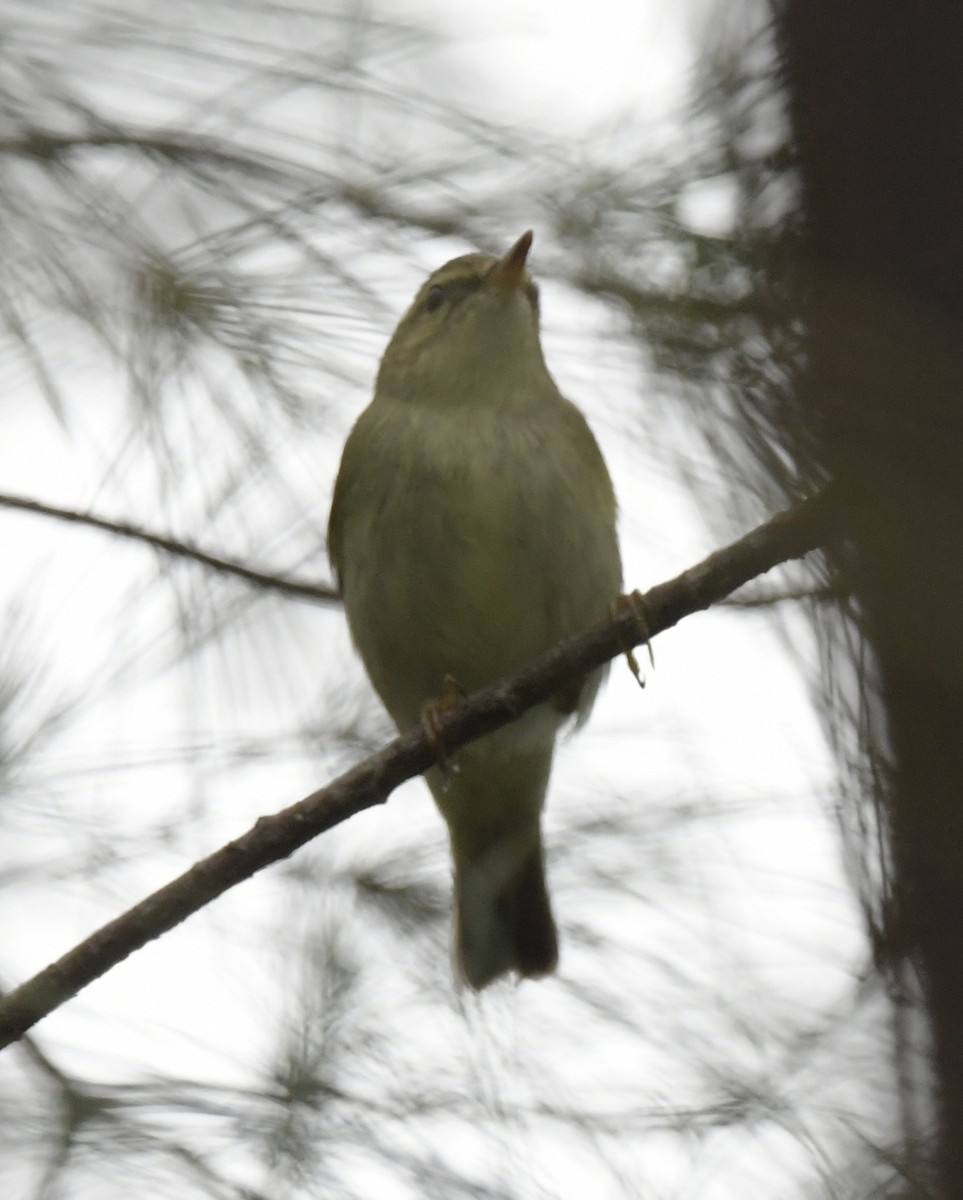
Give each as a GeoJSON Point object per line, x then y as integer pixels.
{"type": "Point", "coordinates": [473, 548]}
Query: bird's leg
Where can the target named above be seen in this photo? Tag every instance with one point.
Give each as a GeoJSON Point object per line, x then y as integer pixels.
{"type": "Point", "coordinates": [431, 712]}
{"type": "Point", "coordinates": [635, 604]}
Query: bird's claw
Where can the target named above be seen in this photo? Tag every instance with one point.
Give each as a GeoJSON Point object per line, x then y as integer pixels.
{"type": "Point", "coordinates": [431, 713]}
{"type": "Point", "coordinates": [635, 604]}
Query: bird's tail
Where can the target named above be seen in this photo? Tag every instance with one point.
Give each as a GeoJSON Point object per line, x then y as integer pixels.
{"type": "Point", "coordinates": [503, 917]}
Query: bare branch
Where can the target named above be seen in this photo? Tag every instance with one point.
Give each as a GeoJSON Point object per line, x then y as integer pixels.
{"type": "Point", "coordinates": [176, 148]}
{"type": "Point", "coordinates": [787, 536]}
{"type": "Point", "coordinates": [278, 583]}
{"type": "Point", "coordinates": [821, 594]}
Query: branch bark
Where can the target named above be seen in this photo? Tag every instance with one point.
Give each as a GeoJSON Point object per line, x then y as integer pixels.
{"type": "Point", "coordinates": [790, 535]}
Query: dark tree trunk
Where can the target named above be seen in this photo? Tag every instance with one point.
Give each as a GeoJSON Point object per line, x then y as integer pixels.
{"type": "Point", "coordinates": [875, 96]}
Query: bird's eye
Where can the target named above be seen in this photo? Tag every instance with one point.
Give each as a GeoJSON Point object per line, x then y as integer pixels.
{"type": "Point", "coordinates": [435, 298]}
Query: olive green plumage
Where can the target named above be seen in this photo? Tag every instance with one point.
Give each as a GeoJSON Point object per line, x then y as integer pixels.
{"type": "Point", "coordinates": [473, 527]}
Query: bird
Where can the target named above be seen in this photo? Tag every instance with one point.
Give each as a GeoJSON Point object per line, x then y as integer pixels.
{"type": "Point", "coordinates": [472, 527]}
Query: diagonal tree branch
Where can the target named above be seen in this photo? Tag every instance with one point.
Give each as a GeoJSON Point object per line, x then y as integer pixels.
{"type": "Point", "coordinates": [790, 535]}
{"type": "Point", "coordinates": [302, 588]}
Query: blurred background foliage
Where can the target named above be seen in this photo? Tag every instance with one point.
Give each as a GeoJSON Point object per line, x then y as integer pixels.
{"type": "Point", "coordinates": [212, 214]}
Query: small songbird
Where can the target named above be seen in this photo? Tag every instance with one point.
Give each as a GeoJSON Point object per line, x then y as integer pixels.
{"type": "Point", "coordinates": [472, 528]}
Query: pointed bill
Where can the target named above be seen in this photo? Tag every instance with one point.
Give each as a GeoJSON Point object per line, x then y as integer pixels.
{"type": "Point", "coordinates": [509, 271]}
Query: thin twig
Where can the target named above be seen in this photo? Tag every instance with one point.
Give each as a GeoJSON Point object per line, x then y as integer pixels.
{"type": "Point", "coordinates": [302, 588]}
{"type": "Point", "coordinates": [820, 594]}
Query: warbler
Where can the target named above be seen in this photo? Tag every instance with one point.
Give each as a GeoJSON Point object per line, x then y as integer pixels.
{"type": "Point", "coordinates": [472, 528]}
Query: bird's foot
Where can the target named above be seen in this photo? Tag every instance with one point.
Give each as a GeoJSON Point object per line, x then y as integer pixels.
{"type": "Point", "coordinates": [431, 713]}
{"type": "Point", "coordinates": [634, 602]}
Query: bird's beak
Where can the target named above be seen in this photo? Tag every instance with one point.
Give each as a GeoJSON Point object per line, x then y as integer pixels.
{"type": "Point", "coordinates": [509, 271]}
